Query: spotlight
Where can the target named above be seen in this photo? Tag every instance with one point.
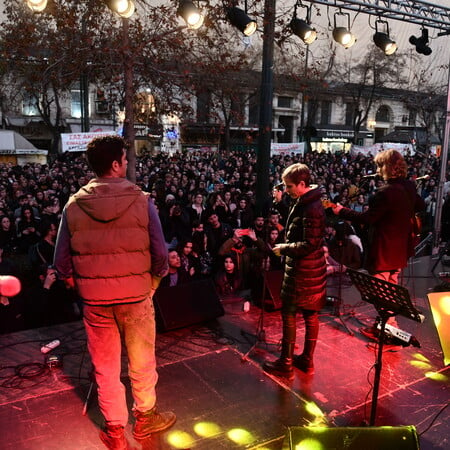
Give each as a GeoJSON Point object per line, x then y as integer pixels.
{"type": "Point", "coordinates": [383, 40]}
{"type": "Point", "coordinates": [239, 19]}
{"type": "Point", "coordinates": [302, 28]}
{"type": "Point", "coordinates": [343, 35]}
{"type": "Point", "coordinates": [37, 5]}
{"type": "Point", "coordinates": [125, 8]}
{"type": "Point", "coordinates": [421, 43]}
{"type": "Point", "coordinates": [191, 14]}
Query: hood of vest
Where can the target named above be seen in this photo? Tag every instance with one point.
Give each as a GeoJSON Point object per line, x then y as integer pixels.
{"type": "Point", "coordinates": [106, 199]}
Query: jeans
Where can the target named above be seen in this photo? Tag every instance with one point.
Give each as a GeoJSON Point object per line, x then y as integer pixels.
{"type": "Point", "coordinates": [105, 327]}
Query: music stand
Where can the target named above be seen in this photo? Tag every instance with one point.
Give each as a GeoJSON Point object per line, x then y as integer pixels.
{"type": "Point", "coordinates": [389, 300]}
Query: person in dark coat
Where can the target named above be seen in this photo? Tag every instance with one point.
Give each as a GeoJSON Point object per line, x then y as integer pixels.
{"type": "Point", "coordinates": [304, 281]}
{"type": "Point", "coordinates": [390, 219]}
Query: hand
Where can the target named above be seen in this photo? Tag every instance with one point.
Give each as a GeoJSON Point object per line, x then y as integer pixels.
{"type": "Point", "coordinates": [69, 283]}
{"type": "Point", "coordinates": [49, 279]}
{"type": "Point", "coordinates": [251, 234]}
{"type": "Point", "coordinates": [276, 250]}
{"type": "Point", "coordinates": [337, 208]}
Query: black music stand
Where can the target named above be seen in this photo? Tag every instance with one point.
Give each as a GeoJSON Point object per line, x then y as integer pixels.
{"type": "Point", "coordinates": [389, 300]}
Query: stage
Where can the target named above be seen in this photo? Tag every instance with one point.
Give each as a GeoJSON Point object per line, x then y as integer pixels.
{"type": "Point", "coordinates": [221, 396]}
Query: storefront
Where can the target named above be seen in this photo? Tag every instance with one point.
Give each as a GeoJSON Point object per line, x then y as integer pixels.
{"type": "Point", "coordinates": [338, 138]}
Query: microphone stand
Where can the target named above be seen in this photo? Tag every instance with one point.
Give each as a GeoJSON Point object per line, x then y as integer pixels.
{"type": "Point", "coordinates": [260, 333]}
{"type": "Point", "coordinates": [338, 300]}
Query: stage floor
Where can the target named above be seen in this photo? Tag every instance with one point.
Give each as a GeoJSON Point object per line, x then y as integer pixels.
{"type": "Point", "coordinates": [222, 398]}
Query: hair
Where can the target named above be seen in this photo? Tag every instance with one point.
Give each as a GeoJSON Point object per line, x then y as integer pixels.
{"type": "Point", "coordinates": [233, 258]}
{"type": "Point", "coordinates": [103, 151]}
{"type": "Point", "coordinates": [393, 164]}
{"type": "Point", "coordinates": [296, 173]}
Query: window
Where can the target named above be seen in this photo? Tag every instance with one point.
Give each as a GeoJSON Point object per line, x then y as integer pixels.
{"type": "Point", "coordinates": [237, 110]}
{"type": "Point", "coordinates": [349, 113]}
{"type": "Point", "coordinates": [101, 104]}
{"type": "Point", "coordinates": [284, 102]}
{"type": "Point", "coordinates": [75, 103]}
{"type": "Point", "coordinates": [383, 114]}
{"type": "Point", "coordinates": [253, 110]}
{"type": "Point", "coordinates": [412, 118]}
{"type": "Point", "coordinates": [325, 112]}
{"type": "Point", "coordinates": [30, 105]}
{"type": "Point", "coordinates": [203, 105]}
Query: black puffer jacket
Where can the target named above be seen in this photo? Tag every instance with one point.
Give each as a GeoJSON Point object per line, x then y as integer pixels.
{"type": "Point", "coordinates": [304, 279]}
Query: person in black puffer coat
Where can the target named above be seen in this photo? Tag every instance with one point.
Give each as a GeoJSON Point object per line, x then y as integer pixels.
{"type": "Point", "coordinates": [304, 281]}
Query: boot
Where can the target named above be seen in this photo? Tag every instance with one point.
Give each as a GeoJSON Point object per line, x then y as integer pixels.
{"type": "Point", "coordinates": [152, 422]}
{"type": "Point", "coordinates": [113, 436]}
{"type": "Point", "coordinates": [282, 367]}
{"type": "Point", "coordinates": [304, 362]}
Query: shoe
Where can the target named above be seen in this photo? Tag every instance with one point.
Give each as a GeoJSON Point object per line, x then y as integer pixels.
{"type": "Point", "coordinates": [152, 422]}
{"type": "Point", "coordinates": [304, 364]}
{"type": "Point", "coordinates": [371, 333]}
{"type": "Point", "coordinates": [113, 436]}
{"type": "Point", "coordinates": [281, 367]}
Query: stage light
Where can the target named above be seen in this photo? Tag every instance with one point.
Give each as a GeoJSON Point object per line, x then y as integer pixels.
{"type": "Point", "coordinates": [125, 8]}
{"type": "Point", "coordinates": [302, 28]}
{"type": "Point", "coordinates": [343, 35]}
{"type": "Point", "coordinates": [383, 40]}
{"type": "Point", "coordinates": [37, 5]}
{"type": "Point", "coordinates": [421, 43]}
{"type": "Point", "coordinates": [191, 14]}
{"type": "Point", "coordinates": [239, 19]}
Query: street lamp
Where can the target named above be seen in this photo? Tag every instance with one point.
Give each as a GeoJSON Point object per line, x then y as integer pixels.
{"type": "Point", "coordinates": [124, 8]}
{"type": "Point", "coordinates": [37, 5]}
{"type": "Point", "coordinates": [191, 14]}
{"type": "Point", "coordinates": [383, 40]}
{"type": "Point", "coordinates": [239, 19]}
{"type": "Point", "coordinates": [302, 28]}
{"type": "Point", "coordinates": [343, 35]}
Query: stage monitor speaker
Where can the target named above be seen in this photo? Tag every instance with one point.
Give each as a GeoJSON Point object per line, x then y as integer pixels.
{"type": "Point", "coordinates": [440, 308]}
{"type": "Point", "coordinates": [274, 279]}
{"type": "Point", "coordinates": [187, 304]}
{"type": "Point", "coordinates": [352, 438]}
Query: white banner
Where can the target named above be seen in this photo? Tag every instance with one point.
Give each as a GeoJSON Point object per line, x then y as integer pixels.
{"type": "Point", "coordinates": [77, 142]}
{"type": "Point", "coordinates": [282, 149]}
{"type": "Point", "coordinates": [376, 148]}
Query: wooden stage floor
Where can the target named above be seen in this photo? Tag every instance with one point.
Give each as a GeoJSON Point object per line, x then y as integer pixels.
{"type": "Point", "coordinates": [222, 398]}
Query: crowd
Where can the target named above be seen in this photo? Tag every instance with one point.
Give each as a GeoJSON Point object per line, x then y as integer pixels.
{"type": "Point", "coordinates": [206, 204]}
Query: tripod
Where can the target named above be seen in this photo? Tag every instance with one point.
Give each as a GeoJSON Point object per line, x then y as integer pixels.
{"type": "Point", "coordinates": [389, 300]}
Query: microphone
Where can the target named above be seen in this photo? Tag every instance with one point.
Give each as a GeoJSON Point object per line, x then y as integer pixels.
{"type": "Point", "coordinates": [371, 175]}
{"type": "Point", "coordinates": [9, 286]}
{"type": "Point", "coordinates": [425, 177]}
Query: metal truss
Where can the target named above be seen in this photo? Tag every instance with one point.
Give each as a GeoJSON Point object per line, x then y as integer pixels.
{"type": "Point", "coordinates": [412, 11]}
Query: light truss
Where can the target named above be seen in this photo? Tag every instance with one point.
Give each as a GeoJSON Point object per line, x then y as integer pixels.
{"type": "Point", "coordinates": [412, 11]}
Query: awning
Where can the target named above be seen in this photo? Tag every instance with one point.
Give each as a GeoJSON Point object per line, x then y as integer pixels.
{"type": "Point", "coordinates": [410, 136]}
{"type": "Point", "coordinates": [331, 131]}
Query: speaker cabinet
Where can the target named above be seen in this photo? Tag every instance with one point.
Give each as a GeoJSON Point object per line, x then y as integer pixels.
{"type": "Point", "coordinates": [187, 304]}
{"type": "Point", "coordinates": [352, 438]}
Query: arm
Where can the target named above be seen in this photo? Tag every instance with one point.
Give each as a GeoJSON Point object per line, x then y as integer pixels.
{"type": "Point", "coordinates": [158, 249]}
{"type": "Point", "coordinates": [63, 255]}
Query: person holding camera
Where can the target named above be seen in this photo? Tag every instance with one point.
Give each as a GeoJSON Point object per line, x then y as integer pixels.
{"type": "Point", "coordinates": [110, 246]}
